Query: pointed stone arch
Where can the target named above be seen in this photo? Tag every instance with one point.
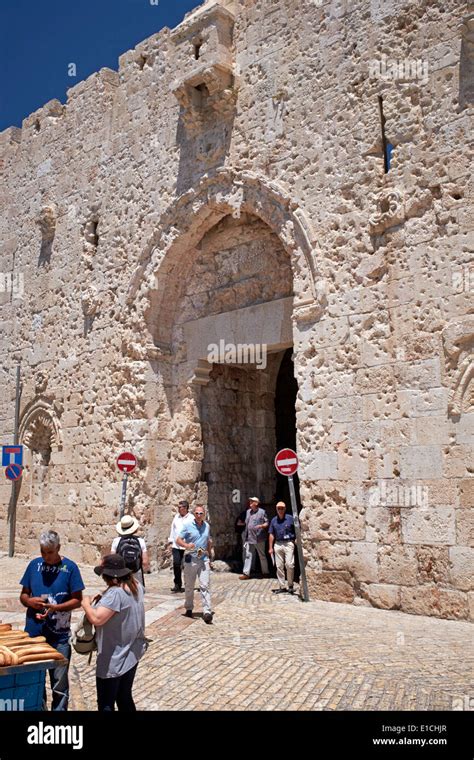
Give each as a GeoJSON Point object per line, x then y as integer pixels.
{"type": "Point", "coordinates": [184, 224]}
{"type": "Point", "coordinates": [39, 430]}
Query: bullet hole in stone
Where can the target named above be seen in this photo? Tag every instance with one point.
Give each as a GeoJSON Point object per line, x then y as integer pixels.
{"type": "Point", "coordinates": [37, 125]}
{"type": "Point", "coordinates": [456, 196]}
{"type": "Point", "coordinates": [91, 233]}
{"type": "Point", "coordinates": [94, 234]}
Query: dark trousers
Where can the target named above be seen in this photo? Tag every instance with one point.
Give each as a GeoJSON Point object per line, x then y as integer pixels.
{"type": "Point", "coordinates": [59, 680]}
{"type": "Point", "coordinates": [111, 691]}
{"type": "Point", "coordinates": [177, 565]}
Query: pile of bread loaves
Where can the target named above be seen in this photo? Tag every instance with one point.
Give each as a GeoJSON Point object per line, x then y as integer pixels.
{"type": "Point", "coordinates": [17, 648]}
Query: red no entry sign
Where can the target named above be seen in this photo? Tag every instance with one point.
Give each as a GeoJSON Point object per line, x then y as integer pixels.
{"type": "Point", "coordinates": [286, 462]}
{"type": "Point", "coordinates": [126, 462]}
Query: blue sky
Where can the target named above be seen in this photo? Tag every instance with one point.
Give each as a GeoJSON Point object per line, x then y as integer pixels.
{"type": "Point", "coordinates": [39, 38]}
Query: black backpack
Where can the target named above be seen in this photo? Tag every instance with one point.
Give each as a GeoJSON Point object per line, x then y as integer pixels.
{"type": "Point", "coordinates": [129, 548]}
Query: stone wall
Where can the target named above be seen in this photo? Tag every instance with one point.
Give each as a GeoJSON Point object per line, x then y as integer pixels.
{"type": "Point", "coordinates": [114, 202]}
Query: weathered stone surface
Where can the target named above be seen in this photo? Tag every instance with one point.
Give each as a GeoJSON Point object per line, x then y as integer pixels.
{"type": "Point", "coordinates": [432, 600]}
{"type": "Point", "coordinates": [362, 562]}
{"type": "Point", "coordinates": [331, 586]}
{"type": "Point", "coordinates": [462, 567]}
{"type": "Point", "coordinates": [470, 601]}
{"type": "Point", "coordinates": [335, 521]}
{"type": "Point", "coordinates": [420, 462]}
{"type": "Point", "coordinates": [382, 595]}
{"type": "Point", "coordinates": [466, 487]}
{"type": "Point", "coordinates": [465, 527]}
{"type": "Point", "coordinates": [398, 564]}
{"type": "Point", "coordinates": [433, 564]}
{"type": "Point", "coordinates": [434, 525]}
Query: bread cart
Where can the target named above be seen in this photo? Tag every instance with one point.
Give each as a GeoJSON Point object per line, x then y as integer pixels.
{"type": "Point", "coordinates": [22, 686]}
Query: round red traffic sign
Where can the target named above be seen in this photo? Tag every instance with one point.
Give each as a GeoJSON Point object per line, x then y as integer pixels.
{"type": "Point", "coordinates": [14, 471]}
{"type": "Point", "coordinates": [286, 462]}
{"type": "Point", "coordinates": [126, 462]}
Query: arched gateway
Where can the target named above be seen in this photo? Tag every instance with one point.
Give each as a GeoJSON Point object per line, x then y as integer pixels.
{"type": "Point", "coordinates": [228, 272]}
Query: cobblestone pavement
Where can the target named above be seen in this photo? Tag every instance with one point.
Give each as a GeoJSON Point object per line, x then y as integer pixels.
{"type": "Point", "coordinates": [278, 653]}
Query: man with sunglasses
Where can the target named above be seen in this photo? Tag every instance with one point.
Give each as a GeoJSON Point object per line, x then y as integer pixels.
{"type": "Point", "coordinates": [195, 539]}
{"type": "Point", "coordinates": [282, 541]}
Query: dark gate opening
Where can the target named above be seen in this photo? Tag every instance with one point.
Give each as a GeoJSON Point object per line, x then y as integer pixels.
{"type": "Point", "coordinates": [285, 423]}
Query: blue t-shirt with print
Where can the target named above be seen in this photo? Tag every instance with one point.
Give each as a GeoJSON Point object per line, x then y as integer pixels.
{"type": "Point", "coordinates": [57, 583]}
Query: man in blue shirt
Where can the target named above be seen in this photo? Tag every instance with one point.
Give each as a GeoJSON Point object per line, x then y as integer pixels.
{"type": "Point", "coordinates": [195, 539]}
{"type": "Point", "coordinates": [282, 541]}
{"type": "Point", "coordinates": [51, 588]}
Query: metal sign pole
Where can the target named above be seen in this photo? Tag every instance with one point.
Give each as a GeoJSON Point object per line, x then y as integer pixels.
{"type": "Point", "coordinates": [299, 544]}
{"type": "Point", "coordinates": [15, 483]}
{"type": "Point", "coordinates": [124, 494]}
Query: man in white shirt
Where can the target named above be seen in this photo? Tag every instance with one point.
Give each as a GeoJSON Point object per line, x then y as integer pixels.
{"type": "Point", "coordinates": [131, 546]}
{"type": "Point", "coordinates": [179, 521]}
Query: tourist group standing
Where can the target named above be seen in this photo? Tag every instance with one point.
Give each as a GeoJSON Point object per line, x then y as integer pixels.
{"type": "Point", "coordinates": [52, 587]}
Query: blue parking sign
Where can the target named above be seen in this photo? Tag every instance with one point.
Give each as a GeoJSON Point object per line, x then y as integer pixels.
{"type": "Point", "coordinates": [12, 455]}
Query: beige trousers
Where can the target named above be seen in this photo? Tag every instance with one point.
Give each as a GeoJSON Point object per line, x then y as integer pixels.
{"type": "Point", "coordinates": [285, 556]}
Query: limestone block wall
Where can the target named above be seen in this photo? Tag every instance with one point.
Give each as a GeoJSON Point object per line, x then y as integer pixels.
{"type": "Point", "coordinates": [284, 117]}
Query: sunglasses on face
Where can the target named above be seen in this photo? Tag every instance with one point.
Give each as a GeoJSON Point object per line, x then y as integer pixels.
{"type": "Point", "coordinates": [199, 514]}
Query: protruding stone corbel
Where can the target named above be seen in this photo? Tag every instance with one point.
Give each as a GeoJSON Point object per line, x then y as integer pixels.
{"type": "Point", "coordinates": [208, 88]}
{"type": "Point", "coordinates": [311, 309]}
{"type": "Point", "coordinates": [204, 45]}
{"type": "Point", "coordinates": [157, 352]}
{"type": "Point", "coordinates": [201, 373]}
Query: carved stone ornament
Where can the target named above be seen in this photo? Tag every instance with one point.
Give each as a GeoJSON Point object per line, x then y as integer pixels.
{"type": "Point", "coordinates": [41, 382]}
{"type": "Point", "coordinates": [388, 210]}
{"type": "Point", "coordinates": [90, 301]}
{"type": "Point", "coordinates": [458, 342]}
{"type": "Point", "coordinates": [47, 221]}
{"type": "Point", "coordinates": [462, 394]}
{"type": "Point", "coordinates": [39, 430]}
